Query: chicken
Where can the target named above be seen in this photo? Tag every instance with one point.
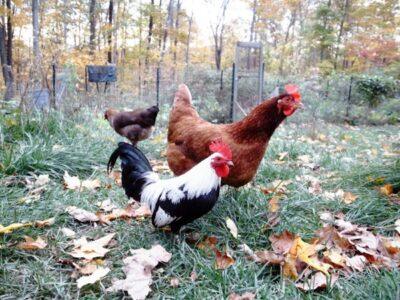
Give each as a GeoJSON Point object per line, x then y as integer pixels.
{"type": "Point", "coordinates": [189, 135]}
{"type": "Point", "coordinates": [136, 125]}
{"type": "Point", "coordinates": [179, 200]}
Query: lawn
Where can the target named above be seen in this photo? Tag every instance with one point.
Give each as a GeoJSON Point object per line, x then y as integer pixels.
{"type": "Point", "coordinates": [355, 159]}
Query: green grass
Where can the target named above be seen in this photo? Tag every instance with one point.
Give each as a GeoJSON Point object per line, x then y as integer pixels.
{"type": "Point", "coordinates": [81, 145]}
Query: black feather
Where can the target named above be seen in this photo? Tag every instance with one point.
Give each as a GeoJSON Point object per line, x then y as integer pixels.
{"type": "Point", "coordinates": [134, 165]}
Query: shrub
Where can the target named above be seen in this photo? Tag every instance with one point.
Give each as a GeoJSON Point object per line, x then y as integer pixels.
{"type": "Point", "coordinates": [374, 89]}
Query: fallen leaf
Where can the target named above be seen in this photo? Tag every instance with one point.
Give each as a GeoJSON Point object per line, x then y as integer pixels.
{"type": "Point", "coordinates": [387, 189]}
{"type": "Point", "coordinates": [327, 217]}
{"type": "Point", "coordinates": [40, 181]}
{"type": "Point", "coordinates": [174, 282]}
{"type": "Point", "coordinates": [193, 276]}
{"type": "Point", "coordinates": [10, 228]}
{"type": "Point", "coordinates": [223, 260]}
{"type": "Point", "coordinates": [137, 210]}
{"type": "Point", "coordinates": [116, 176]}
{"type": "Point", "coordinates": [307, 253]}
{"type": "Point", "coordinates": [106, 205]}
{"type": "Point", "coordinates": [397, 224]}
{"type": "Point", "coordinates": [335, 257]}
{"type": "Point", "coordinates": [90, 250]}
{"type": "Point", "coordinates": [349, 198]}
{"type": "Point", "coordinates": [245, 296]}
{"type": "Point", "coordinates": [209, 243]}
{"type": "Point", "coordinates": [44, 223]}
{"type": "Point", "coordinates": [30, 244]}
{"type": "Point", "coordinates": [317, 281]}
{"type": "Point", "coordinates": [98, 274]}
{"type": "Point", "coordinates": [91, 184]}
{"type": "Point", "coordinates": [81, 214]}
{"type": "Point", "coordinates": [68, 232]}
{"type": "Point", "coordinates": [273, 204]}
{"type": "Point", "coordinates": [87, 269]}
{"type": "Point", "coordinates": [282, 243]}
{"type": "Point", "coordinates": [357, 262]}
{"type": "Point", "coordinates": [71, 182]}
{"type": "Point", "coordinates": [232, 227]}
{"type": "Point", "coordinates": [269, 257]}
{"type": "Point", "coordinates": [137, 269]}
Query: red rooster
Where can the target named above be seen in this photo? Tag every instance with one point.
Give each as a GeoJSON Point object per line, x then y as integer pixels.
{"type": "Point", "coordinates": [179, 200]}
{"type": "Point", "coordinates": [189, 135]}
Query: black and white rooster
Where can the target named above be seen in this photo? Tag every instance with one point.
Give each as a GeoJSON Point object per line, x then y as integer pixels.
{"type": "Point", "coordinates": [179, 200]}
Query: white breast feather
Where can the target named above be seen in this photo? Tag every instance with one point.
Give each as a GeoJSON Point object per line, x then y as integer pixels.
{"type": "Point", "coordinates": [199, 180]}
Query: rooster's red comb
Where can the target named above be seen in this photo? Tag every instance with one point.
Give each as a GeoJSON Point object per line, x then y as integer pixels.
{"type": "Point", "coordinates": [293, 90]}
{"type": "Point", "coordinates": [217, 145]}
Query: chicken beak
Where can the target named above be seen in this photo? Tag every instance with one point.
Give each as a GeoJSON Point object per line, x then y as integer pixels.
{"type": "Point", "coordinates": [299, 105]}
{"type": "Point", "coordinates": [230, 163]}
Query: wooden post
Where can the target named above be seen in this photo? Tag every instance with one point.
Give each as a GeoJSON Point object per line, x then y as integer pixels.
{"type": "Point", "coordinates": [158, 86]}
{"type": "Point", "coordinates": [233, 91]}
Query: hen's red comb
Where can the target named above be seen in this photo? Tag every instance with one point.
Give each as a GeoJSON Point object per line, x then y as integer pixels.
{"type": "Point", "coordinates": [217, 145]}
{"type": "Point", "coordinates": [293, 90]}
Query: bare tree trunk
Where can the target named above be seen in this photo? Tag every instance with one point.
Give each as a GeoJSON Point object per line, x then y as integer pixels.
{"type": "Point", "coordinates": [292, 22]}
{"type": "Point", "coordinates": [150, 34]}
{"type": "Point", "coordinates": [178, 8]}
{"type": "Point", "coordinates": [218, 34]}
{"type": "Point", "coordinates": [109, 35]}
{"type": "Point", "coordinates": [35, 47]}
{"type": "Point", "coordinates": [341, 30]}
{"type": "Point", "coordinates": [168, 25]}
{"type": "Point", "coordinates": [7, 68]}
{"type": "Point", "coordinates": [253, 22]}
{"type": "Point", "coordinates": [188, 46]}
{"type": "Point", "coordinates": [92, 25]}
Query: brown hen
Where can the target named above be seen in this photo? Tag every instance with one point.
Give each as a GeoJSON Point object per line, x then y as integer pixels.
{"type": "Point", "coordinates": [189, 135]}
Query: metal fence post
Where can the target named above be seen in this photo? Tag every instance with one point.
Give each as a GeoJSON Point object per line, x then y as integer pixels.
{"type": "Point", "coordinates": [53, 100]}
{"type": "Point", "coordinates": [349, 97]}
{"type": "Point", "coordinates": [233, 89]}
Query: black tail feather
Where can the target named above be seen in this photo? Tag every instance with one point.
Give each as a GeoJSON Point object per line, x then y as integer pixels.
{"type": "Point", "coordinates": [134, 165]}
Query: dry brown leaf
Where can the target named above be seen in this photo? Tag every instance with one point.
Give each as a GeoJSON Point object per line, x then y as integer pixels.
{"type": "Point", "coordinates": [232, 227]}
{"type": "Point", "coordinates": [317, 281]}
{"type": "Point", "coordinates": [68, 232]}
{"type": "Point", "coordinates": [40, 181]}
{"type": "Point", "coordinates": [209, 243]}
{"type": "Point", "coordinates": [387, 189]}
{"type": "Point", "coordinates": [193, 276]}
{"type": "Point", "coordinates": [71, 182]}
{"type": "Point", "coordinates": [245, 296]}
{"type": "Point", "coordinates": [90, 250]}
{"type": "Point", "coordinates": [91, 184]}
{"type": "Point", "coordinates": [282, 243]}
{"type": "Point", "coordinates": [269, 257]}
{"type": "Point", "coordinates": [327, 217]}
{"type": "Point", "coordinates": [392, 245]}
{"type": "Point", "coordinates": [223, 260]}
{"type": "Point", "coordinates": [30, 244]}
{"type": "Point", "coordinates": [397, 224]}
{"type": "Point", "coordinates": [106, 205]}
{"type": "Point", "coordinates": [307, 253]}
{"type": "Point", "coordinates": [88, 269]}
{"type": "Point", "coordinates": [357, 262]}
{"type": "Point", "coordinates": [349, 198]}
{"type": "Point", "coordinates": [174, 282]}
{"type": "Point", "coordinates": [137, 210]}
{"type": "Point", "coordinates": [138, 269]}
{"type": "Point", "coordinates": [98, 274]}
{"type": "Point", "coordinates": [334, 256]}
{"type": "Point", "coordinates": [116, 176]}
{"type": "Point", "coordinates": [81, 214]}
{"type": "Point", "coordinates": [273, 204]}
{"type": "Point", "coordinates": [44, 223]}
